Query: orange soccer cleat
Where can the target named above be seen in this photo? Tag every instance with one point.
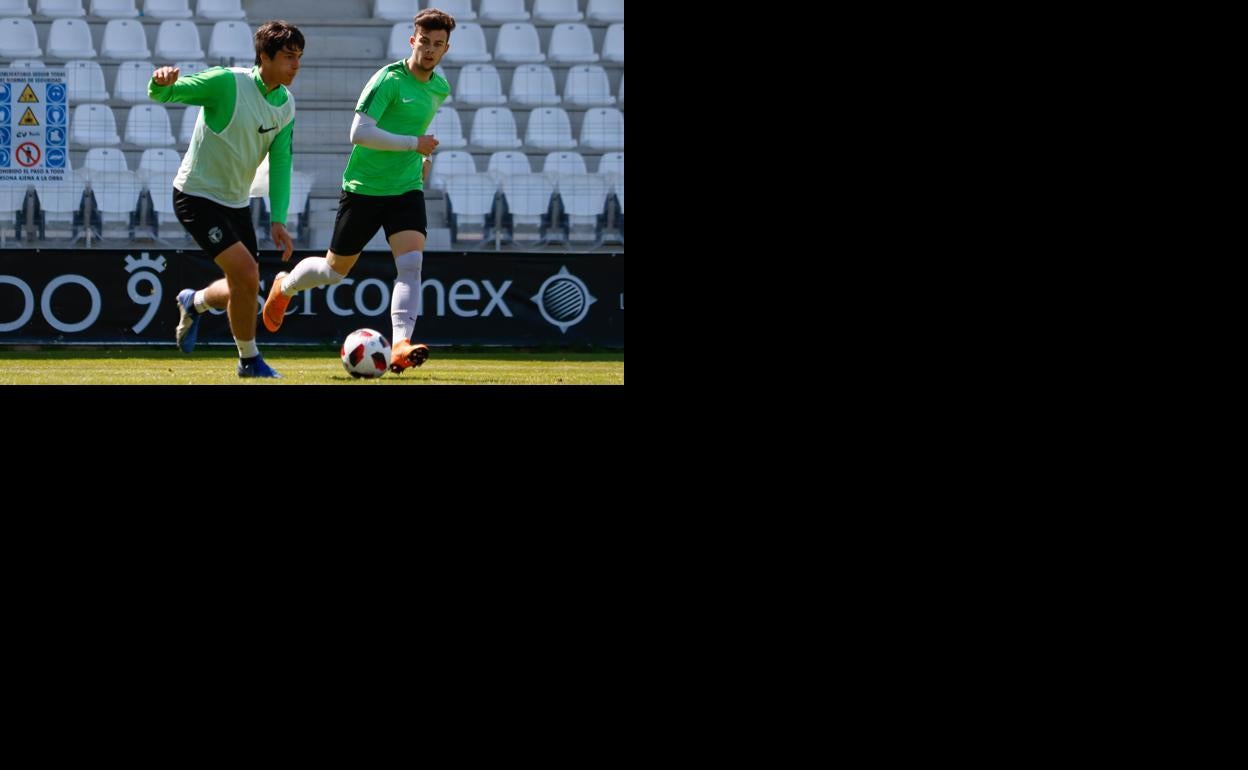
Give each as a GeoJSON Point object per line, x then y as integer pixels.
{"type": "Point", "coordinates": [405, 354]}
{"type": "Point", "coordinates": [275, 305]}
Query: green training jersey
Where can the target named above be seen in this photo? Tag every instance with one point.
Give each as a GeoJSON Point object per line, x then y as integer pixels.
{"type": "Point", "coordinates": [400, 104]}
{"type": "Point", "coordinates": [239, 125]}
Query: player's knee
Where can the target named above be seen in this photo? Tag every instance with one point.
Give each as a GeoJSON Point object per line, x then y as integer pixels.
{"type": "Point", "coordinates": [245, 279]}
{"type": "Point", "coordinates": [409, 262]}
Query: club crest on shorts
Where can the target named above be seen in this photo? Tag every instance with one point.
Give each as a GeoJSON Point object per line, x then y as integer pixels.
{"type": "Point", "coordinates": [214, 235]}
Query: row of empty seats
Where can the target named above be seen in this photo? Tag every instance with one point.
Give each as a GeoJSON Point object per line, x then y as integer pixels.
{"type": "Point", "coordinates": [548, 128]}
{"type": "Point", "coordinates": [534, 202]}
{"type": "Point", "coordinates": [126, 39]}
{"type": "Point", "coordinates": [509, 163]}
{"type": "Point", "coordinates": [533, 85]}
{"type": "Point", "coordinates": [519, 44]}
{"type": "Point", "coordinates": [147, 125]}
{"type": "Point", "coordinates": [126, 9]}
{"type": "Point", "coordinates": [603, 11]}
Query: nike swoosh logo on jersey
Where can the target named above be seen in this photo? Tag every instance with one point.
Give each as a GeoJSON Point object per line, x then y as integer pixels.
{"type": "Point", "coordinates": [408, 101]}
{"type": "Point", "coordinates": [266, 130]}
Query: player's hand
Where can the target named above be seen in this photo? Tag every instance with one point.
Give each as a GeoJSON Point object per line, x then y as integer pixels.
{"type": "Point", "coordinates": [282, 238]}
{"type": "Point", "coordinates": [166, 76]}
{"type": "Point", "coordinates": [426, 144]}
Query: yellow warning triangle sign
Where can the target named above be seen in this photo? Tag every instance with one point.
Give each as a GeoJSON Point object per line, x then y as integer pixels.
{"type": "Point", "coordinates": [29, 118]}
{"type": "Point", "coordinates": [28, 95]}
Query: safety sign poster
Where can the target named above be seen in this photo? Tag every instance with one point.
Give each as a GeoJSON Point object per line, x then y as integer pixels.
{"type": "Point", "coordinates": [34, 125]}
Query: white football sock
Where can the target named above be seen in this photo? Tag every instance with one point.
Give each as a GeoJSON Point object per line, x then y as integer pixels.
{"type": "Point", "coordinates": [246, 348]}
{"type": "Point", "coordinates": [308, 274]}
{"type": "Point", "coordinates": [200, 305]}
{"type": "Point", "coordinates": [405, 299]}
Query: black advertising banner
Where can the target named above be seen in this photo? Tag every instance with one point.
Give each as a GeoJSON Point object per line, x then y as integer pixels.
{"type": "Point", "coordinates": [127, 297]}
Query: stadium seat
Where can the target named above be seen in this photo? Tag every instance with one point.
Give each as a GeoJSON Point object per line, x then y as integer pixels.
{"type": "Point", "coordinates": [559, 163]}
{"type": "Point", "coordinates": [132, 79]}
{"type": "Point", "coordinates": [300, 190]}
{"type": "Point", "coordinates": [400, 46]}
{"type": "Point", "coordinates": [27, 64]}
{"type": "Point", "coordinates": [114, 9]}
{"type": "Point", "coordinates": [147, 125]}
{"type": "Point", "coordinates": [93, 125]}
{"type": "Point", "coordinates": [447, 163]}
{"type": "Point", "coordinates": [621, 91]}
{"type": "Point", "coordinates": [178, 39]}
{"type": "Point", "coordinates": [506, 163]}
{"type": "Point", "coordinates": [190, 67]}
{"type": "Point", "coordinates": [158, 167]}
{"type": "Point", "coordinates": [167, 9]}
{"type": "Point", "coordinates": [587, 86]}
{"type": "Point", "coordinates": [493, 129]}
{"type": "Point", "coordinates": [232, 40]}
{"type": "Point", "coordinates": [469, 46]}
{"type": "Point", "coordinates": [480, 86]}
{"type": "Point", "coordinates": [116, 198]}
{"type": "Point", "coordinates": [611, 165]}
{"type": "Point", "coordinates": [124, 39]}
{"type": "Point", "coordinates": [399, 10]}
{"type": "Point", "coordinates": [218, 10]}
{"type": "Point", "coordinates": [104, 159]}
{"type": "Point", "coordinates": [10, 8]}
{"type": "Point", "coordinates": [85, 79]}
{"type": "Point", "coordinates": [549, 129]}
{"type": "Point", "coordinates": [571, 44]}
{"type": "Point", "coordinates": [470, 206]}
{"type": "Point", "coordinates": [189, 116]}
{"type": "Point", "coordinates": [556, 10]}
{"type": "Point", "coordinates": [70, 39]}
{"type": "Point", "coordinates": [18, 39]}
{"type": "Point", "coordinates": [533, 85]}
{"type": "Point", "coordinates": [584, 199]}
{"type": "Point", "coordinates": [603, 129]}
{"type": "Point", "coordinates": [503, 10]}
{"type": "Point", "coordinates": [447, 128]}
{"type": "Point", "coordinates": [460, 9]}
{"type": "Point", "coordinates": [527, 198]}
{"type": "Point", "coordinates": [60, 201]}
{"type": "Point", "coordinates": [606, 11]}
{"type": "Point", "coordinates": [60, 9]}
{"type": "Point", "coordinates": [518, 44]}
{"type": "Point", "coordinates": [613, 44]}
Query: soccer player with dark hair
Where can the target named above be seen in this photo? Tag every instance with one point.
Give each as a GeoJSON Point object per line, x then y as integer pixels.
{"type": "Point", "coordinates": [383, 185]}
{"type": "Point", "coordinates": [247, 114]}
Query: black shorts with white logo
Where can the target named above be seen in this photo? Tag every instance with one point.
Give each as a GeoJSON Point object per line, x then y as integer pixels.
{"type": "Point", "coordinates": [359, 216]}
{"type": "Point", "coordinates": [213, 226]}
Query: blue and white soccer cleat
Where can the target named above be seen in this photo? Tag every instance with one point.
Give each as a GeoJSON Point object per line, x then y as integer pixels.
{"type": "Point", "coordinates": [188, 324]}
{"type": "Point", "coordinates": [257, 369]}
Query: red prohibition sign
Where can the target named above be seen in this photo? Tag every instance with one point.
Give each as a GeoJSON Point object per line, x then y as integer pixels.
{"type": "Point", "coordinates": [25, 156]}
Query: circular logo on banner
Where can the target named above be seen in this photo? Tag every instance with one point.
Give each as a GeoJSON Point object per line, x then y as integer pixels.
{"type": "Point", "coordinates": [56, 93]}
{"type": "Point", "coordinates": [28, 154]}
{"type": "Point", "coordinates": [56, 158]}
{"type": "Point", "coordinates": [4, 157]}
{"type": "Point", "coordinates": [56, 136]}
{"type": "Point", "coordinates": [56, 116]}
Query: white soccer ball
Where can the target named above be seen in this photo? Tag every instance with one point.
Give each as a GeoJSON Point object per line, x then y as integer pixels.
{"type": "Point", "coordinates": [365, 353]}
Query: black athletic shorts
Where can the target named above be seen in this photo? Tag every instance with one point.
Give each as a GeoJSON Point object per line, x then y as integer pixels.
{"type": "Point", "coordinates": [213, 226]}
{"type": "Point", "coordinates": [359, 216]}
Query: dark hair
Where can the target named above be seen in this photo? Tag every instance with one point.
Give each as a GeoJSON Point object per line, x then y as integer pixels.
{"type": "Point", "coordinates": [274, 36]}
{"type": "Point", "coordinates": [431, 19]}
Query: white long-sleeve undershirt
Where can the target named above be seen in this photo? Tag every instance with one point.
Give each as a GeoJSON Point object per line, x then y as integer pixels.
{"type": "Point", "coordinates": [365, 133]}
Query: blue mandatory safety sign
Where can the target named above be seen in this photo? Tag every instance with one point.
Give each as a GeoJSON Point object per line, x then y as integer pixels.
{"type": "Point", "coordinates": [56, 137]}
{"type": "Point", "coordinates": [5, 93]}
{"type": "Point", "coordinates": [56, 158]}
{"type": "Point", "coordinates": [5, 138]}
{"type": "Point", "coordinates": [4, 157]}
{"type": "Point", "coordinates": [4, 114]}
{"type": "Point", "coordinates": [56, 93]}
{"type": "Point", "coordinates": [56, 116]}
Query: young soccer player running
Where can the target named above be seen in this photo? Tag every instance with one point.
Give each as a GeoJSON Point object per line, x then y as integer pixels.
{"type": "Point", "coordinates": [247, 114]}
{"type": "Point", "coordinates": [383, 185]}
